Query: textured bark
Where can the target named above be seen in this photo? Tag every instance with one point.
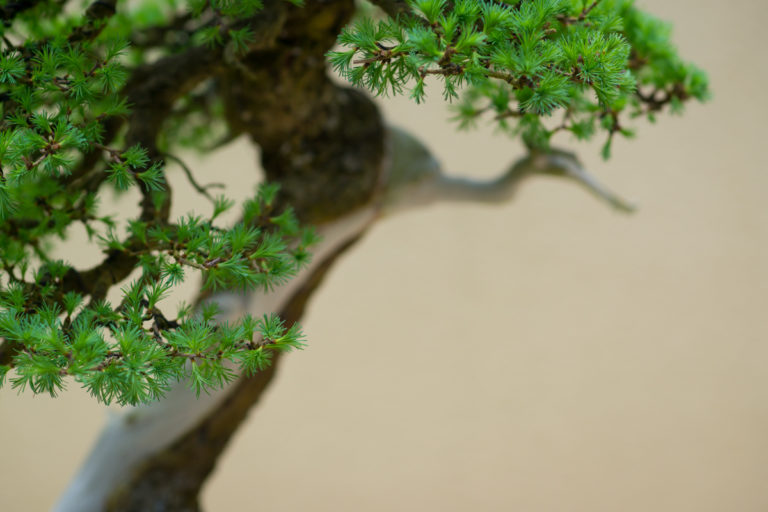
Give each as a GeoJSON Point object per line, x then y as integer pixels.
{"type": "Point", "coordinates": [323, 143]}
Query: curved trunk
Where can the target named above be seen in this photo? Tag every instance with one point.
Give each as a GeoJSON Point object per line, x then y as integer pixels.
{"type": "Point", "coordinates": [327, 147]}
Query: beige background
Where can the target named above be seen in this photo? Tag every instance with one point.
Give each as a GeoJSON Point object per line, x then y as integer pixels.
{"type": "Point", "coordinates": [545, 356]}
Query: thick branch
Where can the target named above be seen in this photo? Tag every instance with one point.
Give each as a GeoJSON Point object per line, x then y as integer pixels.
{"type": "Point", "coordinates": [321, 142]}
{"type": "Point", "coordinates": [555, 162]}
{"type": "Point", "coordinates": [418, 180]}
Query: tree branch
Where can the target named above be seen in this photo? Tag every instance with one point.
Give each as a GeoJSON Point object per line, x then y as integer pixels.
{"type": "Point", "coordinates": [418, 180]}
{"type": "Point", "coordinates": [203, 190]}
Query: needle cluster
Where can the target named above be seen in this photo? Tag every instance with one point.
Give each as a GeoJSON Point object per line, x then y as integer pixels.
{"type": "Point", "coordinates": [70, 134]}
{"type": "Point", "coordinates": [522, 62]}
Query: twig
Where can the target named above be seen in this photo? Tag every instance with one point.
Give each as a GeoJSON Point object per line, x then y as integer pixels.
{"type": "Point", "coordinates": [587, 10]}
{"type": "Point", "coordinates": [200, 188]}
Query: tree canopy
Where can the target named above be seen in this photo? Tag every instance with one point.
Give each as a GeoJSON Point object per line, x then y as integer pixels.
{"type": "Point", "coordinates": [98, 97]}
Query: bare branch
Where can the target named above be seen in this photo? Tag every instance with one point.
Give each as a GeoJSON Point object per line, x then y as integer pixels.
{"type": "Point", "coordinates": [202, 189]}
{"type": "Point", "coordinates": [417, 180]}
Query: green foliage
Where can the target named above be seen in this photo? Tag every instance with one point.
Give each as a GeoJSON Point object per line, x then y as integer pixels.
{"type": "Point", "coordinates": [63, 79]}
{"type": "Point", "coordinates": [71, 132]}
{"type": "Point", "coordinates": [131, 352]}
{"type": "Point", "coordinates": [522, 61]}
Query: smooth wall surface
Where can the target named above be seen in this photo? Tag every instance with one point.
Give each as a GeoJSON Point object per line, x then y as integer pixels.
{"type": "Point", "coordinates": [549, 355]}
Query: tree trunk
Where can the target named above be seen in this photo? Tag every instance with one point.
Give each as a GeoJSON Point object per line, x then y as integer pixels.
{"type": "Point", "coordinates": [339, 169]}
{"type": "Point", "coordinates": [324, 144]}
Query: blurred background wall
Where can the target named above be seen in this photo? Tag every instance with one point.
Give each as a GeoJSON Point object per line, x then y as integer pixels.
{"type": "Point", "coordinates": [549, 355]}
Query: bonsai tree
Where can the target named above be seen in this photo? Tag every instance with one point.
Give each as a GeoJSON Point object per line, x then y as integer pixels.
{"type": "Point", "coordinates": [100, 98]}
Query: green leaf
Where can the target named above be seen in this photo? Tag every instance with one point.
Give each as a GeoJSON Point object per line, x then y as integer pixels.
{"type": "Point", "coordinates": [153, 178]}
{"type": "Point", "coordinates": [120, 176]}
